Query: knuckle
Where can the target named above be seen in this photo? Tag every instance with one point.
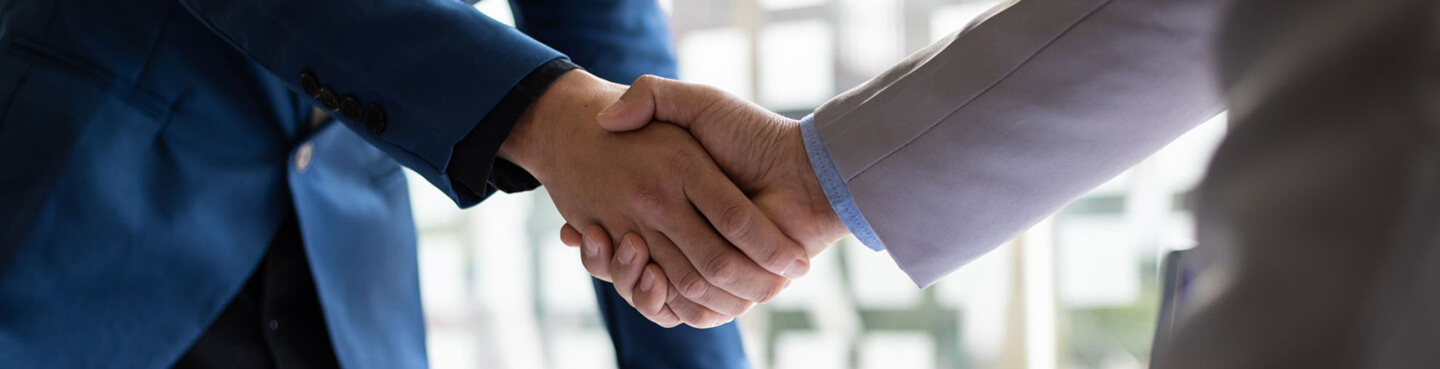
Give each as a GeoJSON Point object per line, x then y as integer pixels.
{"type": "Point", "coordinates": [645, 80]}
{"type": "Point", "coordinates": [685, 160]}
{"type": "Point", "coordinates": [692, 286]}
{"type": "Point", "coordinates": [648, 197]}
{"type": "Point", "coordinates": [770, 291]}
{"type": "Point", "coordinates": [722, 268]}
{"type": "Point", "coordinates": [737, 221]}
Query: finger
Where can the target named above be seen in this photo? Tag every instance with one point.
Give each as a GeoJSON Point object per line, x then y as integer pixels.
{"type": "Point", "coordinates": [658, 98]}
{"type": "Point", "coordinates": [656, 290]}
{"type": "Point", "coordinates": [650, 296]}
{"type": "Point", "coordinates": [666, 318]}
{"type": "Point", "coordinates": [742, 223]}
{"type": "Point", "coordinates": [569, 236]}
{"type": "Point", "coordinates": [718, 263]}
{"type": "Point", "coordinates": [595, 254]}
{"type": "Point", "coordinates": [693, 285]}
{"type": "Point", "coordinates": [691, 313]}
{"type": "Point", "coordinates": [627, 268]}
{"type": "Point", "coordinates": [727, 208]}
{"type": "Point", "coordinates": [650, 290]}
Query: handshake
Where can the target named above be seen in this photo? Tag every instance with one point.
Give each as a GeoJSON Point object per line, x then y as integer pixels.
{"type": "Point", "coordinates": [695, 218]}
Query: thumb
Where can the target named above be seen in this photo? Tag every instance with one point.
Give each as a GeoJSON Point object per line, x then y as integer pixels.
{"type": "Point", "coordinates": [632, 111]}
{"type": "Point", "coordinates": [657, 98]}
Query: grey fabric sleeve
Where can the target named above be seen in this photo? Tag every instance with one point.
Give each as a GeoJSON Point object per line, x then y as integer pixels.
{"type": "Point", "coordinates": [964, 145]}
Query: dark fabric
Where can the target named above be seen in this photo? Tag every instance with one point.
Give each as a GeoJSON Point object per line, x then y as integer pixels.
{"type": "Point", "coordinates": [274, 322]}
{"type": "Point", "coordinates": [508, 177]}
{"type": "Point", "coordinates": [143, 141]}
{"type": "Point", "coordinates": [640, 344]}
{"type": "Point", "coordinates": [469, 166]}
{"type": "Point", "coordinates": [1317, 221]}
{"type": "Point", "coordinates": [432, 89]}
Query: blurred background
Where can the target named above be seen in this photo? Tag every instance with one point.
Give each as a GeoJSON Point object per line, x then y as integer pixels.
{"type": "Point", "coordinates": [1078, 291]}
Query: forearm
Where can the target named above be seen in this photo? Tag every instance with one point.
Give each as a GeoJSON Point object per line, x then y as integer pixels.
{"type": "Point", "coordinates": [477, 163]}
{"type": "Point", "coordinates": [429, 67]}
{"type": "Point", "coordinates": [616, 40]}
{"type": "Point", "coordinates": [966, 144]}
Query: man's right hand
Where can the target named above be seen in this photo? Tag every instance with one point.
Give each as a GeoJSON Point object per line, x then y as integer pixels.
{"type": "Point", "coordinates": [660, 185]}
{"type": "Point", "coordinates": [762, 152]}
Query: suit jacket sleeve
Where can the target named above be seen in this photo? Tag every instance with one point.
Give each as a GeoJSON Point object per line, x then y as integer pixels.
{"type": "Point", "coordinates": [435, 67]}
{"type": "Point", "coordinates": [967, 143]}
{"type": "Point", "coordinates": [618, 40]}
{"type": "Point", "coordinates": [615, 40]}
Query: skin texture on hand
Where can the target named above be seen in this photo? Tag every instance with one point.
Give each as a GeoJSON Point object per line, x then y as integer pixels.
{"type": "Point", "coordinates": [762, 152]}
{"type": "Point", "coordinates": [660, 186]}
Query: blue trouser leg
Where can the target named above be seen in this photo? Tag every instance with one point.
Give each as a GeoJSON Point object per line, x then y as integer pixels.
{"type": "Point", "coordinates": [640, 344]}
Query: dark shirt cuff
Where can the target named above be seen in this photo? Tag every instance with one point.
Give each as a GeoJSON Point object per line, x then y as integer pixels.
{"type": "Point", "coordinates": [474, 164]}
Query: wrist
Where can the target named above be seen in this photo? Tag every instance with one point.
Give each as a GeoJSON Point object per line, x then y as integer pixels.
{"type": "Point", "coordinates": [826, 188]}
{"type": "Point", "coordinates": [792, 189]}
{"type": "Point", "coordinates": [543, 126]}
{"type": "Point", "coordinates": [828, 221]}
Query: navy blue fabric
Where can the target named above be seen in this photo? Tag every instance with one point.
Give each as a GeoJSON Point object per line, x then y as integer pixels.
{"type": "Point", "coordinates": [147, 156]}
{"type": "Point", "coordinates": [640, 344]}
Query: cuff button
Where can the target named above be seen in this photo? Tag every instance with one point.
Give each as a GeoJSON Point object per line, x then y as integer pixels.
{"type": "Point", "coordinates": [351, 109]}
{"type": "Point", "coordinates": [374, 119]}
{"type": "Point", "coordinates": [327, 98]}
{"type": "Point", "coordinates": [309, 84]}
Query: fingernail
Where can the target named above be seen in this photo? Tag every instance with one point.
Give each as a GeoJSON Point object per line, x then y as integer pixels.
{"type": "Point", "coordinates": [609, 111]}
{"type": "Point", "coordinates": [591, 248]}
{"type": "Point", "coordinates": [647, 280]}
{"type": "Point", "coordinates": [627, 251]}
{"type": "Point", "coordinates": [794, 270]}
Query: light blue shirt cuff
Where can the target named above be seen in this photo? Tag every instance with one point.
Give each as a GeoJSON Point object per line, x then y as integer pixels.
{"type": "Point", "coordinates": [836, 190]}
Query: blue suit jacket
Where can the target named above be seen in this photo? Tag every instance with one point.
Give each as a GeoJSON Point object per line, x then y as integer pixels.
{"type": "Point", "coordinates": [146, 160]}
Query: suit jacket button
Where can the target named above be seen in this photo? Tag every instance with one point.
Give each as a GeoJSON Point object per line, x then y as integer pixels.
{"type": "Point", "coordinates": [350, 108]}
{"type": "Point", "coordinates": [310, 84]}
{"type": "Point", "coordinates": [374, 119]}
{"type": "Point", "coordinates": [327, 98]}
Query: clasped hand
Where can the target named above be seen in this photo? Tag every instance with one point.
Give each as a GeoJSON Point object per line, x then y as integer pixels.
{"type": "Point", "coordinates": [715, 212]}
